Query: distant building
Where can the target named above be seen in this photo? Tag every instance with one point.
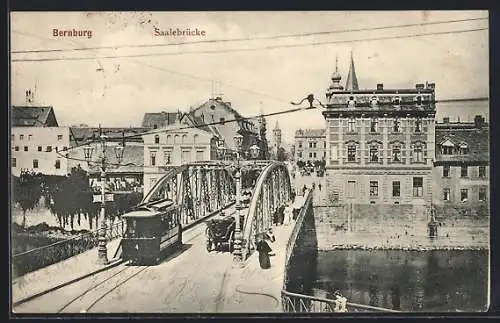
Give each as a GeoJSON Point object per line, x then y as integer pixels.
{"type": "Point", "coordinates": [37, 142]}
{"type": "Point", "coordinates": [461, 168]}
{"type": "Point", "coordinates": [225, 123]}
{"type": "Point", "coordinates": [277, 143]}
{"type": "Point", "coordinates": [174, 146]}
{"type": "Point", "coordinates": [380, 142]}
{"type": "Point", "coordinates": [126, 174]}
{"type": "Point", "coordinates": [310, 144]}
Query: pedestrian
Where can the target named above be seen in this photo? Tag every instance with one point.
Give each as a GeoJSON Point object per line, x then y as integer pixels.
{"type": "Point", "coordinates": [263, 249]}
{"type": "Point", "coordinates": [319, 186]}
{"type": "Point", "coordinates": [314, 186]}
{"type": "Point", "coordinates": [270, 235]}
{"type": "Point", "coordinates": [288, 214]}
{"type": "Point", "coordinates": [304, 189]}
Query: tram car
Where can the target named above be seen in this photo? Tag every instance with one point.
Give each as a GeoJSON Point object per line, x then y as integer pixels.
{"type": "Point", "coordinates": [151, 230]}
{"type": "Point", "coordinates": [220, 233]}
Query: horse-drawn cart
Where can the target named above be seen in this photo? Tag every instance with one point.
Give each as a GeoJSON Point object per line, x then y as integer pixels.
{"type": "Point", "coordinates": [220, 233]}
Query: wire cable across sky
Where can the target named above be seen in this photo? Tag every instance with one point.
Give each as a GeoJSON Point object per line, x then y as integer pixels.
{"type": "Point", "coordinates": [244, 39]}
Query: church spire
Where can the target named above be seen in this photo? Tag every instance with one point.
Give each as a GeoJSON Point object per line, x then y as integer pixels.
{"type": "Point", "coordinates": [352, 80]}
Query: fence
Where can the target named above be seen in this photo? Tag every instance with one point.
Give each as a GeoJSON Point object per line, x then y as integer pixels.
{"type": "Point", "coordinates": [298, 303]}
{"type": "Point", "coordinates": [37, 258]}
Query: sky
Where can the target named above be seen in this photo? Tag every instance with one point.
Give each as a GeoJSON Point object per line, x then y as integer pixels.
{"type": "Point", "coordinates": [118, 91]}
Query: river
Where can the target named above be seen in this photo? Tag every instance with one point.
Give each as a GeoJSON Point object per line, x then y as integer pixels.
{"type": "Point", "coordinates": [414, 281]}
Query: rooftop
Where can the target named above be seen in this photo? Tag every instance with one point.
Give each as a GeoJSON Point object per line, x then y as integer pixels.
{"type": "Point", "coordinates": [310, 133]}
{"type": "Point", "coordinates": [477, 140]}
{"type": "Point", "coordinates": [159, 119]}
{"type": "Point", "coordinates": [31, 116]}
{"type": "Point", "coordinates": [82, 134]}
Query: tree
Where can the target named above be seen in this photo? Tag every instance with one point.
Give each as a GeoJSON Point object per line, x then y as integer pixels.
{"type": "Point", "coordinates": [27, 191]}
{"type": "Point", "coordinates": [300, 163]}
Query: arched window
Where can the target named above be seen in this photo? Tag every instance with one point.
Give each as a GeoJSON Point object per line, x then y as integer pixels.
{"type": "Point", "coordinates": [157, 139]}
{"type": "Point", "coordinates": [169, 139]}
{"type": "Point", "coordinates": [351, 152]}
{"type": "Point", "coordinates": [176, 139]}
{"type": "Point", "coordinates": [373, 101]}
{"type": "Point", "coordinates": [396, 153]}
{"type": "Point", "coordinates": [195, 139]}
{"type": "Point", "coordinates": [184, 139]}
{"type": "Point", "coordinates": [374, 153]}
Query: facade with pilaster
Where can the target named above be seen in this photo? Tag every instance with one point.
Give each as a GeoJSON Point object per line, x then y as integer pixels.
{"type": "Point", "coordinates": [380, 143]}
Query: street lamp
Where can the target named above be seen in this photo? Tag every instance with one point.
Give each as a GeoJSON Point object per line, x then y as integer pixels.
{"type": "Point", "coordinates": [221, 149]}
{"type": "Point", "coordinates": [238, 139]}
{"type": "Point", "coordinates": [254, 152]}
{"type": "Point", "coordinates": [119, 152]}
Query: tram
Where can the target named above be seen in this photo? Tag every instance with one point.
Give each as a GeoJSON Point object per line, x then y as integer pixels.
{"type": "Point", "coordinates": [153, 227]}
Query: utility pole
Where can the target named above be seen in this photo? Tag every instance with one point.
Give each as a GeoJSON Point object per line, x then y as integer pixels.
{"type": "Point", "coordinates": [102, 251]}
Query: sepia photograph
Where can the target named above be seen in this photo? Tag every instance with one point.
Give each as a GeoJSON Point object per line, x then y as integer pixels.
{"type": "Point", "coordinates": [249, 162]}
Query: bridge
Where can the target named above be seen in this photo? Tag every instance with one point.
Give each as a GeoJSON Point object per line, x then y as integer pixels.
{"type": "Point", "coordinates": [64, 277]}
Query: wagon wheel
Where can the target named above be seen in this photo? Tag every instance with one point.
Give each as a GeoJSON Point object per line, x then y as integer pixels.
{"type": "Point", "coordinates": [231, 242]}
{"type": "Point", "coordinates": [208, 240]}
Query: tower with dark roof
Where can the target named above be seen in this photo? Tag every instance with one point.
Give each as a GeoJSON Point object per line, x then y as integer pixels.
{"type": "Point", "coordinates": [352, 81]}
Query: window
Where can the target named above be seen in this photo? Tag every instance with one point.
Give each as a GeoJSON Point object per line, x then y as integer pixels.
{"type": "Point", "coordinates": [352, 102]}
{"type": "Point", "coordinates": [155, 126]}
{"type": "Point", "coordinates": [16, 148]}
{"type": "Point", "coordinates": [464, 194]}
{"type": "Point", "coordinates": [58, 164]}
{"type": "Point", "coordinates": [314, 155]}
{"type": "Point", "coordinates": [464, 149]}
{"type": "Point", "coordinates": [35, 163]}
{"type": "Point", "coordinates": [351, 125]}
{"type": "Point", "coordinates": [374, 153]}
{"type": "Point", "coordinates": [373, 188]}
{"type": "Point", "coordinates": [25, 148]}
{"type": "Point", "coordinates": [351, 153]}
{"type": "Point", "coordinates": [396, 189]}
{"type": "Point", "coordinates": [373, 125]}
{"type": "Point", "coordinates": [310, 145]}
{"type": "Point", "coordinates": [21, 137]}
{"type": "Point", "coordinates": [157, 139]}
{"type": "Point", "coordinates": [30, 137]}
{"type": "Point", "coordinates": [39, 148]}
{"type": "Point", "coordinates": [167, 156]}
{"type": "Point", "coordinates": [324, 144]}
{"type": "Point", "coordinates": [447, 150]}
{"type": "Point", "coordinates": [396, 100]}
{"type": "Point", "coordinates": [418, 186]}
{"type": "Point", "coordinates": [482, 171]}
{"type": "Point", "coordinates": [12, 137]}
{"type": "Point", "coordinates": [314, 144]}
{"type": "Point", "coordinates": [59, 137]}
{"type": "Point", "coordinates": [186, 156]}
{"type": "Point", "coordinates": [152, 157]}
{"type": "Point", "coordinates": [419, 100]}
{"type": "Point", "coordinates": [463, 171]}
{"type": "Point", "coordinates": [482, 194]}
{"type": "Point", "coordinates": [446, 194]}
{"type": "Point", "coordinates": [56, 148]}
{"type": "Point", "coordinates": [200, 155]}
{"type": "Point", "coordinates": [419, 153]}
{"type": "Point", "coordinates": [300, 144]}
{"type": "Point", "coordinates": [373, 100]}
{"type": "Point", "coordinates": [418, 125]}
{"type": "Point", "coordinates": [310, 155]}
{"type": "Point", "coordinates": [351, 188]}
{"type": "Point", "coordinates": [49, 149]}
{"type": "Point", "coordinates": [396, 154]}
{"type": "Point", "coordinates": [446, 171]}
{"type": "Point", "coordinates": [14, 162]}
{"type": "Point", "coordinates": [396, 127]}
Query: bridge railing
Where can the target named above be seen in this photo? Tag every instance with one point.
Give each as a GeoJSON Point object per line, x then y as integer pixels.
{"type": "Point", "coordinates": [272, 190]}
{"type": "Point", "coordinates": [298, 303]}
{"type": "Point", "coordinates": [47, 255]}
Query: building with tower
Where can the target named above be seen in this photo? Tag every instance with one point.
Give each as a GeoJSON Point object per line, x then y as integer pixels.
{"type": "Point", "coordinates": [277, 143]}
{"type": "Point", "coordinates": [380, 142]}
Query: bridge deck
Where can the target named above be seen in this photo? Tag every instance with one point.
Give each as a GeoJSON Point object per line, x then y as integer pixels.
{"type": "Point", "coordinates": [190, 280]}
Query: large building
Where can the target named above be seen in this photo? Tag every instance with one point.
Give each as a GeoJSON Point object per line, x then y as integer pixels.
{"type": "Point", "coordinates": [461, 172]}
{"type": "Point", "coordinates": [310, 144]}
{"type": "Point", "coordinates": [38, 143]}
{"type": "Point", "coordinates": [380, 142]}
{"type": "Point", "coordinates": [175, 145]}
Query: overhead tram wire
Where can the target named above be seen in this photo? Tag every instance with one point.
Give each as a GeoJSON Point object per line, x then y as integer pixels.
{"type": "Point", "coordinates": [243, 39]}
{"type": "Point", "coordinates": [269, 47]}
{"type": "Point", "coordinates": [156, 131]}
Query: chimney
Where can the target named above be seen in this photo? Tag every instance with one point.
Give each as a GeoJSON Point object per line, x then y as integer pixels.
{"type": "Point", "coordinates": [446, 120]}
{"type": "Point", "coordinates": [380, 87]}
{"type": "Point", "coordinates": [419, 86]}
{"type": "Point", "coordinates": [478, 121]}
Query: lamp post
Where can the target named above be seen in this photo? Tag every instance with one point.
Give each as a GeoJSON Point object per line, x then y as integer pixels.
{"type": "Point", "coordinates": [254, 152]}
{"type": "Point", "coordinates": [238, 139]}
{"type": "Point", "coordinates": [102, 251]}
